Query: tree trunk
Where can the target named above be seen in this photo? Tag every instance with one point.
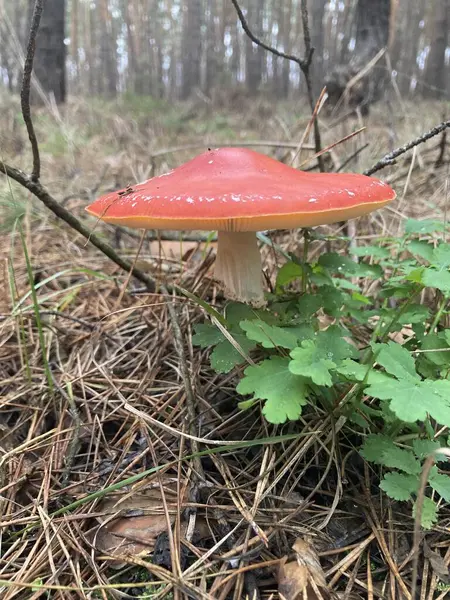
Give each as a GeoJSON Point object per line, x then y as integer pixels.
{"type": "Point", "coordinates": [235, 43]}
{"type": "Point", "coordinates": [211, 47]}
{"type": "Point", "coordinates": [254, 55]}
{"type": "Point", "coordinates": [372, 22]}
{"type": "Point", "coordinates": [191, 47]}
{"type": "Point", "coordinates": [434, 78]}
{"type": "Point", "coordinates": [286, 40]}
{"type": "Point", "coordinates": [215, 47]}
{"type": "Point", "coordinates": [50, 55]}
{"type": "Point", "coordinates": [91, 47]}
{"type": "Point", "coordinates": [316, 16]}
{"type": "Point", "coordinates": [410, 45]}
{"type": "Point", "coordinates": [372, 29]}
{"type": "Point", "coordinates": [108, 54]}
{"type": "Point", "coordinates": [74, 41]}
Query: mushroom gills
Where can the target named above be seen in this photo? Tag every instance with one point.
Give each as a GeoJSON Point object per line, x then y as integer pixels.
{"type": "Point", "coordinates": [238, 266]}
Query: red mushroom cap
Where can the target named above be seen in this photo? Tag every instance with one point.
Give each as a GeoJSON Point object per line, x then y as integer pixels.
{"type": "Point", "coordinates": [235, 189]}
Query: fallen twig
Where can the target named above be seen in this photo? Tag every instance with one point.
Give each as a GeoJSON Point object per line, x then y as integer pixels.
{"type": "Point", "coordinates": [389, 159]}
{"type": "Point", "coordinates": [38, 190]}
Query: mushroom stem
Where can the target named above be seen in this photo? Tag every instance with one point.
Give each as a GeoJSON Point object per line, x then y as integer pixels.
{"type": "Point", "coordinates": [238, 266]}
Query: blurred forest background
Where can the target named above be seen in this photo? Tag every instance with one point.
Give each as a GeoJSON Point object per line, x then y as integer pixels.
{"type": "Point", "coordinates": [174, 49]}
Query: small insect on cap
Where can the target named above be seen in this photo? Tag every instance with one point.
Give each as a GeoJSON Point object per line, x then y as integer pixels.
{"type": "Point", "coordinates": [234, 191]}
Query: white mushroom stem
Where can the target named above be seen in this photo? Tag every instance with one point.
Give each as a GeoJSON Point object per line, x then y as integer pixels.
{"type": "Point", "coordinates": [238, 266]}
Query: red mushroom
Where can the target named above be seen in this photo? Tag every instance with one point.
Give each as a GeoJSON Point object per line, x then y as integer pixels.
{"type": "Point", "coordinates": [239, 192]}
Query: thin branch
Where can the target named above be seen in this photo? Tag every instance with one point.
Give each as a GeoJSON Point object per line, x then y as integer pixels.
{"type": "Point", "coordinates": [309, 50]}
{"type": "Point", "coordinates": [389, 159]}
{"type": "Point", "coordinates": [303, 63]}
{"type": "Point", "coordinates": [26, 84]}
{"type": "Point", "coordinates": [38, 190]}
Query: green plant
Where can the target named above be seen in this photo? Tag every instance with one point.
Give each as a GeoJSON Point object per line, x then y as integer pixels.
{"type": "Point", "coordinates": [361, 339]}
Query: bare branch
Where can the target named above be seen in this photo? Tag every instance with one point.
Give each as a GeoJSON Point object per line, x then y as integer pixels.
{"type": "Point", "coordinates": [38, 190]}
{"type": "Point", "coordinates": [26, 84]}
{"type": "Point", "coordinates": [303, 63]}
{"type": "Point", "coordinates": [389, 159]}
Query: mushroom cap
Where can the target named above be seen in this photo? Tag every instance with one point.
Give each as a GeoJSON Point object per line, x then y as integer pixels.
{"type": "Point", "coordinates": [236, 189]}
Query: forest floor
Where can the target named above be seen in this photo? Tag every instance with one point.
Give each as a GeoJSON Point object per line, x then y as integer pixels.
{"type": "Point", "coordinates": [94, 391]}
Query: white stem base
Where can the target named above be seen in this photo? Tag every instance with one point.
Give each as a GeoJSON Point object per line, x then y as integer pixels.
{"type": "Point", "coordinates": [238, 266]}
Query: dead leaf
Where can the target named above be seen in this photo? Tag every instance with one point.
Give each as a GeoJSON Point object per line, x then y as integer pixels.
{"type": "Point", "coordinates": [437, 563]}
{"type": "Point", "coordinates": [140, 519]}
{"type": "Point", "coordinates": [292, 580]}
{"type": "Point", "coordinates": [302, 578]}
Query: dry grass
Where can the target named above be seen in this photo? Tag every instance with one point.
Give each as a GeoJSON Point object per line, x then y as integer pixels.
{"type": "Point", "coordinates": [125, 389]}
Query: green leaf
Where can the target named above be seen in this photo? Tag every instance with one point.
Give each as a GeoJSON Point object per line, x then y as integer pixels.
{"type": "Point", "coordinates": [246, 404]}
{"type": "Point", "coordinates": [423, 226]}
{"type": "Point", "coordinates": [358, 419]}
{"type": "Point", "coordinates": [415, 313]}
{"type": "Point", "coordinates": [206, 335]}
{"type": "Point", "coordinates": [437, 278]}
{"type": "Point", "coordinates": [412, 400]}
{"type": "Point", "coordinates": [212, 312]}
{"type": "Point", "coordinates": [436, 400]}
{"type": "Point", "coordinates": [374, 446]}
{"type": "Point", "coordinates": [355, 371]}
{"type": "Point", "coordinates": [235, 312]}
{"type": "Point", "coordinates": [303, 331]}
{"type": "Point", "coordinates": [308, 361]}
{"type": "Point", "coordinates": [337, 263]}
{"type": "Point", "coordinates": [271, 380]}
{"type": "Point", "coordinates": [405, 397]}
{"type": "Point", "coordinates": [423, 448]}
{"type": "Point", "coordinates": [269, 336]}
{"type": "Point", "coordinates": [315, 358]}
{"type": "Point", "coordinates": [345, 284]}
{"type": "Point", "coordinates": [358, 297]}
{"type": "Point", "coordinates": [342, 265]}
{"type": "Point", "coordinates": [225, 356]}
{"type": "Point", "coordinates": [435, 343]}
{"type": "Point", "coordinates": [441, 255]}
{"type": "Point", "coordinates": [403, 460]}
{"type": "Point", "coordinates": [415, 275]}
{"type": "Point", "coordinates": [375, 251]}
{"type": "Point", "coordinates": [441, 484]}
{"type": "Point", "coordinates": [308, 305]}
{"type": "Point", "coordinates": [333, 345]}
{"type": "Point", "coordinates": [399, 486]}
{"type": "Point", "coordinates": [319, 276]}
{"type": "Point", "coordinates": [429, 514]}
{"type": "Point", "coordinates": [332, 300]}
{"type": "Point", "coordinates": [397, 361]}
{"type": "Point", "coordinates": [370, 271]}
{"type": "Point", "coordinates": [288, 273]}
{"type": "Point", "coordinates": [422, 249]}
